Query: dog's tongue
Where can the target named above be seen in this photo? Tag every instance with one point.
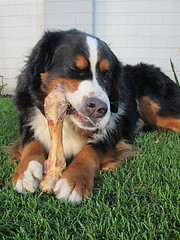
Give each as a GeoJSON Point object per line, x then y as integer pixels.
{"type": "Point", "coordinates": [82, 118]}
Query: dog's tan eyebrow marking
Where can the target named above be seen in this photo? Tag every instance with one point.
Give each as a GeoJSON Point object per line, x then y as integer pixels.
{"type": "Point", "coordinates": [70, 84]}
{"type": "Point", "coordinates": [81, 62]}
{"type": "Point", "coordinates": [104, 65]}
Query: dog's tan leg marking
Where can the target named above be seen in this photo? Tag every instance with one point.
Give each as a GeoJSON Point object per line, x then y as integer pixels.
{"type": "Point", "coordinates": [149, 113]}
{"type": "Point", "coordinates": [77, 180]}
{"type": "Point", "coordinates": [117, 156]}
{"type": "Point", "coordinates": [30, 169]}
{"type": "Point", "coordinates": [168, 124]}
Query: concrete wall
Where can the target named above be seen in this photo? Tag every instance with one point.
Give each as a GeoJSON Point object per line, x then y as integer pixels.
{"type": "Point", "coordinates": [67, 14]}
{"type": "Point", "coordinates": [137, 30]}
{"type": "Point", "coordinates": [141, 30]}
{"type": "Point", "coordinates": [21, 24]}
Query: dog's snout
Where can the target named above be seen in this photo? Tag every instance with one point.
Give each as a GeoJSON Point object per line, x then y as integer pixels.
{"type": "Point", "coordinates": [95, 107]}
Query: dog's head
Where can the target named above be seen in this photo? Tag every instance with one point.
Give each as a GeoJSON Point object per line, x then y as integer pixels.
{"type": "Point", "coordinates": [88, 69]}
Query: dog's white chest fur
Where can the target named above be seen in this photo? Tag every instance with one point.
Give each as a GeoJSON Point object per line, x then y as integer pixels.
{"type": "Point", "coordinates": [72, 143]}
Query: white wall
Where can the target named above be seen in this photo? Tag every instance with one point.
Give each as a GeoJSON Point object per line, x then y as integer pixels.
{"type": "Point", "coordinates": [67, 14]}
{"type": "Point", "coordinates": [141, 30]}
{"type": "Point", "coordinates": [137, 30]}
{"type": "Point", "coordinates": [21, 24]}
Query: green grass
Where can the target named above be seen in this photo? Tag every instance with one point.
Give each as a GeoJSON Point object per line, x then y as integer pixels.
{"type": "Point", "coordinates": [137, 201]}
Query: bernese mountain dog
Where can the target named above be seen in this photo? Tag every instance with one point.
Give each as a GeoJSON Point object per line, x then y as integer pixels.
{"type": "Point", "coordinates": [106, 100]}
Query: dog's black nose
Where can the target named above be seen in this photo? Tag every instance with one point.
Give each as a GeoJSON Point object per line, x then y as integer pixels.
{"type": "Point", "coordinates": [96, 108]}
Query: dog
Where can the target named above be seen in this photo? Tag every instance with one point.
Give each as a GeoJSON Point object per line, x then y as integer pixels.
{"type": "Point", "coordinates": [106, 100]}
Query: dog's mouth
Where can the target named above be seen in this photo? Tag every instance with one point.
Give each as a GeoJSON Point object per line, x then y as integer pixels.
{"type": "Point", "coordinates": [80, 119]}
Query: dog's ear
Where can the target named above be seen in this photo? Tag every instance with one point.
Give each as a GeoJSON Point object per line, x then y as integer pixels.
{"type": "Point", "coordinates": [41, 56]}
{"type": "Point", "coordinates": [114, 96]}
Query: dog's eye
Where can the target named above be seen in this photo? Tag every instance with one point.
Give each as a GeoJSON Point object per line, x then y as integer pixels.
{"type": "Point", "coordinates": [77, 70]}
{"type": "Point", "coordinates": [106, 77]}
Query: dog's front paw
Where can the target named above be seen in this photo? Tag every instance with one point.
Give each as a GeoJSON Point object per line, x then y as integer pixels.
{"type": "Point", "coordinates": [73, 187]}
{"type": "Point", "coordinates": [27, 178]}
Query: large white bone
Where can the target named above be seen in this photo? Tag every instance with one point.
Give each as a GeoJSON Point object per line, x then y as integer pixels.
{"type": "Point", "coordinates": [55, 106]}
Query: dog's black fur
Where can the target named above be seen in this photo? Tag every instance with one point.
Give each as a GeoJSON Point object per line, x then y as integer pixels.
{"type": "Point", "coordinates": [127, 86]}
{"type": "Point", "coordinates": [133, 82]}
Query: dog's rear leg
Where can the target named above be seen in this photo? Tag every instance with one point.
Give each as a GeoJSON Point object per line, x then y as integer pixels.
{"type": "Point", "coordinates": [29, 172]}
{"type": "Point", "coordinates": [150, 113]}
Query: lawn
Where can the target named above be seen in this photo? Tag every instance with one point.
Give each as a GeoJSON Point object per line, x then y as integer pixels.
{"type": "Point", "coordinates": [140, 200]}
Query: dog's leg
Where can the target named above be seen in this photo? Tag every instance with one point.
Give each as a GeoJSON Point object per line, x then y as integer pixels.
{"type": "Point", "coordinates": [77, 180]}
{"type": "Point", "coordinates": [150, 113]}
{"type": "Point", "coordinates": [29, 172]}
{"type": "Point", "coordinates": [116, 156]}
{"type": "Point", "coordinates": [158, 97]}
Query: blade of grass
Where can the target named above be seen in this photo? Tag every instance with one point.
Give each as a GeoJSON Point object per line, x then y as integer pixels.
{"type": "Point", "coordinates": [174, 72]}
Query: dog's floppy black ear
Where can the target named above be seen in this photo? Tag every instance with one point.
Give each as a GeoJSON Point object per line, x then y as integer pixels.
{"type": "Point", "coordinates": [41, 56]}
{"type": "Point", "coordinates": [114, 96]}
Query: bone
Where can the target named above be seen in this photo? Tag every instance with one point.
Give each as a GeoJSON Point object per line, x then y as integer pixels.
{"type": "Point", "coordinates": [55, 106]}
